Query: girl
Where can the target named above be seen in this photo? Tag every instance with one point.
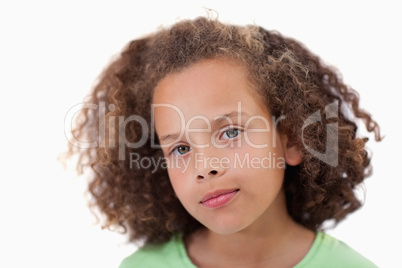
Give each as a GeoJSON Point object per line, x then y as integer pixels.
{"type": "Point", "coordinates": [225, 146]}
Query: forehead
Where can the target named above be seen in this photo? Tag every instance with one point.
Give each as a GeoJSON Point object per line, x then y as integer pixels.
{"type": "Point", "coordinates": [208, 88]}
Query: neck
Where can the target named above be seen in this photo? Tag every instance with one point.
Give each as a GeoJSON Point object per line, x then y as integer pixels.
{"type": "Point", "coordinates": [269, 240]}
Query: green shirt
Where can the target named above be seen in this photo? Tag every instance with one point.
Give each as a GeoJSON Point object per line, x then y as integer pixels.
{"type": "Point", "coordinates": [326, 251]}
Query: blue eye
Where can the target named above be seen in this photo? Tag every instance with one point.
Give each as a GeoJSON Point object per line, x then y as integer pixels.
{"type": "Point", "coordinates": [230, 134]}
{"type": "Point", "coordinates": [181, 150]}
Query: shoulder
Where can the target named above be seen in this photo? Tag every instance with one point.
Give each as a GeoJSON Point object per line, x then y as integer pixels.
{"type": "Point", "coordinates": [328, 251]}
{"type": "Point", "coordinates": [170, 254]}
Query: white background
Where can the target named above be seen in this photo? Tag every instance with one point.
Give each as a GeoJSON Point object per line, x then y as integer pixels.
{"type": "Point", "coordinates": [52, 52]}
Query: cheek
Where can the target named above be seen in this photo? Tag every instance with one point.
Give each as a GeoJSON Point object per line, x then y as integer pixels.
{"type": "Point", "coordinates": [256, 139]}
{"type": "Point", "coordinates": [262, 170]}
{"type": "Point", "coordinates": [180, 182]}
{"type": "Point", "coordinates": [262, 139]}
{"type": "Point", "coordinates": [256, 157]}
{"type": "Point", "coordinates": [174, 176]}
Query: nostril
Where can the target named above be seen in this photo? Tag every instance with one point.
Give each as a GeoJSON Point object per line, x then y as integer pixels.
{"type": "Point", "coordinates": [213, 172]}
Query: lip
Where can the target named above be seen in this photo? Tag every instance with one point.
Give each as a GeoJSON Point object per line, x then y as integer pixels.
{"type": "Point", "coordinates": [218, 198]}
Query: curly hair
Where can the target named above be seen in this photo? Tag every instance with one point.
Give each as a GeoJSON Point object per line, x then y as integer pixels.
{"type": "Point", "coordinates": [292, 82]}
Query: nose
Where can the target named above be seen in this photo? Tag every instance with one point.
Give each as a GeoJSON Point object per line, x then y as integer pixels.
{"type": "Point", "coordinates": [209, 172]}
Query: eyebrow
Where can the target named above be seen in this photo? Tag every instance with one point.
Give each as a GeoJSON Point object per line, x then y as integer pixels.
{"type": "Point", "coordinates": [169, 137]}
{"type": "Point", "coordinates": [224, 117]}
{"type": "Point", "coordinates": [217, 120]}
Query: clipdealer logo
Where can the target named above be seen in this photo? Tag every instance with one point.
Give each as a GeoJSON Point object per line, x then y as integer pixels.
{"type": "Point", "coordinates": [330, 156]}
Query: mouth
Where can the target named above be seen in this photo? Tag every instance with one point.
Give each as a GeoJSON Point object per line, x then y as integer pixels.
{"type": "Point", "coordinates": [219, 198]}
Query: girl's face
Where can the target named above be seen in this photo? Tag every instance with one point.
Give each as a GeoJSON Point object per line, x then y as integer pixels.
{"type": "Point", "coordinates": [225, 159]}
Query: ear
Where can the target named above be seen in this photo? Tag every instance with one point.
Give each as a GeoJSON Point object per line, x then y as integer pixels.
{"type": "Point", "coordinates": [292, 152]}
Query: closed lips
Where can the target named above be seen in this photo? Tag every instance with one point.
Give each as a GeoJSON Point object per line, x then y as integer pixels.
{"type": "Point", "coordinates": [216, 194]}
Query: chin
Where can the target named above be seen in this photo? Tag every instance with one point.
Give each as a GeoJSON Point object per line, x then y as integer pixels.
{"type": "Point", "coordinates": [226, 228]}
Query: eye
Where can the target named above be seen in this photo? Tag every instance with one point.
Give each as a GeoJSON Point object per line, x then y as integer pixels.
{"type": "Point", "coordinates": [230, 134]}
{"type": "Point", "coordinates": [180, 150]}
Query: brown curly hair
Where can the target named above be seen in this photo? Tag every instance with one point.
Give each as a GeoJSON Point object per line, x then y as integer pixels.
{"type": "Point", "coordinates": [292, 81]}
